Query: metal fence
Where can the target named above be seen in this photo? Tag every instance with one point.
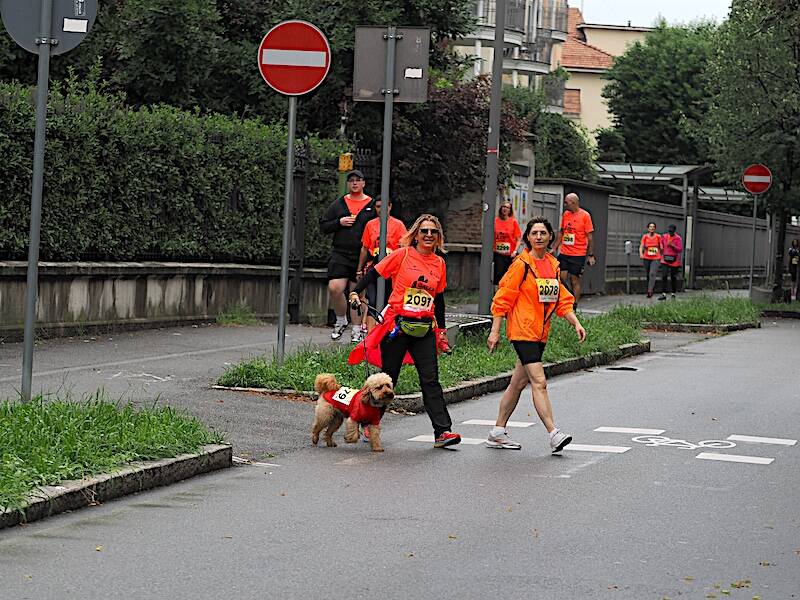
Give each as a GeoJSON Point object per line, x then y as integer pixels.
{"type": "Point", "coordinates": [486, 12]}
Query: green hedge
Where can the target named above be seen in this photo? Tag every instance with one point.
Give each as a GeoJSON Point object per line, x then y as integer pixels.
{"type": "Point", "coordinates": [157, 182]}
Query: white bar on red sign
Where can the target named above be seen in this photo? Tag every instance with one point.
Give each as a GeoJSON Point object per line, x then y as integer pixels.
{"type": "Point", "coordinates": [757, 178]}
{"type": "Point", "coordinates": [294, 58]}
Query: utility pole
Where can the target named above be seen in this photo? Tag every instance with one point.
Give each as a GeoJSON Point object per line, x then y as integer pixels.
{"type": "Point", "coordinates": [492, 155]}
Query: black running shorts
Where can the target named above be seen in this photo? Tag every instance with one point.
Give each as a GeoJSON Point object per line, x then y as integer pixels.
{"type": "Point", "coordinates": [529, 352]}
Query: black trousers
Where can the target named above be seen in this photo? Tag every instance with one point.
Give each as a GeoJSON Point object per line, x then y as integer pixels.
{"type": "Point", "coordinates": [672, 272]}
{"type": "Point", "coordinates": [423, 351]}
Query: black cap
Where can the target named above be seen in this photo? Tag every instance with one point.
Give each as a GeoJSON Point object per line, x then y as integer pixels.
{"type": "Point", "coordinates": [354, 173]}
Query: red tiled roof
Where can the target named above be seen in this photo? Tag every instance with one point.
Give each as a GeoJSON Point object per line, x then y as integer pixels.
{"type": "Point", "coordinates": [572, 102]}
{"type": "Point", "coordinates": [577, 54]}
{"type": "Point", "coordinates": [580, 55]}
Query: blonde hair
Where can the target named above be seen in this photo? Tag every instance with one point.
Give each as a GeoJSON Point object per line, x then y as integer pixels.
{"type": "Point", "coordinates": [410, 238]}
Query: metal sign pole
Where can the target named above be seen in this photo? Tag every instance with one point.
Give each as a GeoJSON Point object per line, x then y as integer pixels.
{"type": "Point", "coordinates": [492, 152]}
{"type": "Point", "coordinates": [36, 196]}
{"type": "Point", "coordinates": [753, 256]}
{"type": "Point", "coordinates": [287, 231]}
{"type": "Point", "coordinates": [391, 36]}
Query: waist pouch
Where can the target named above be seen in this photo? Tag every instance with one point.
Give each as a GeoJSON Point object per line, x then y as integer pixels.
{"type": "Point", "coordinates": [669, 258]}
{"type": "Point", "coordinates": [415, 327]}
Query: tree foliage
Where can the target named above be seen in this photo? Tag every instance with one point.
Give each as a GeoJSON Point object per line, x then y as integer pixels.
{"type": "Point", "coordinates": [562, 148]}
{"type": "Point", "coordinates": [655, 87]}
{"type": "Point", "coordinates": [754, 115]}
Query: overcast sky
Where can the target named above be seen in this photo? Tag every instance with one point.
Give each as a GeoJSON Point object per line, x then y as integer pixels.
{"type": "Point", "coordinates": [645, 12]}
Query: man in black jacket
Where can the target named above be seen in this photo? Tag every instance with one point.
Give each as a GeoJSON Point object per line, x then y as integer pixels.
{"type": "Point", "coordinates": [346, 218]}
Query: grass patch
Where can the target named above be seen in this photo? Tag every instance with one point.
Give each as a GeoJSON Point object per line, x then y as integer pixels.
{"type": "Point", "coordinates": [469, 360]}
{"type": "Point", "coordinates": [239, 314]}
{"type": "Point", "coordinates": [777, 306]}
{"type": "Point", "coordinates": [700, 310]}
{"type": "Point", "coordinates": [44, 443]}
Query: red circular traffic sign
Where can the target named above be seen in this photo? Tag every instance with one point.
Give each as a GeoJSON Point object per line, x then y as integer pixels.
{"type": "Point", "coordinates": [757, 179]}
{"type": "Point", "coordinates": [294, 57]}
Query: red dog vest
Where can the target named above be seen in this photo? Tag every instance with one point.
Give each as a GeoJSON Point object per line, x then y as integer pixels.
{"type": "Point", "coordinates": [349, 402]}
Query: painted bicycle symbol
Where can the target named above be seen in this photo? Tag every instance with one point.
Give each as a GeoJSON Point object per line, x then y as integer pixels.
{"type": "Point", "coordinates": [660, 440]}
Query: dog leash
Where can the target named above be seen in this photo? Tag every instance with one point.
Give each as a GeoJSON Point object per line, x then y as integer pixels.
{"type": "Point", "coordinates": [378, 319]}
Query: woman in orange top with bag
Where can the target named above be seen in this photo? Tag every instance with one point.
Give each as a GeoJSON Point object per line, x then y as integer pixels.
{"type": "Point", "coordinates": [413, 321]}
{"type": "Point", "coordinates": [529, 294]}
{"type": "Point", "coordinates": [506, 239]}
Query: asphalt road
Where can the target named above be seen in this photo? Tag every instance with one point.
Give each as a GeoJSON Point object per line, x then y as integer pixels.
{"type": "Point", "coordinates": [653, 521]}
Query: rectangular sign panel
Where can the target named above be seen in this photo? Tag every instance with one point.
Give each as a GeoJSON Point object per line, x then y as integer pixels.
{"type": "Point", "coordinates": [410, 69]}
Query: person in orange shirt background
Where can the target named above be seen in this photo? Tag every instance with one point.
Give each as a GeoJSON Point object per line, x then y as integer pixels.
{"type": "Point", "coordinates": [650, 253]}
{"type": "Point", "coordinates": [370, 248]}
{"type": "Point", "coordinates": [506, 239]}
{"type": "Point", "coordinates": [528, 296]}
{"type": "Point", "coordinates": [576, 244]}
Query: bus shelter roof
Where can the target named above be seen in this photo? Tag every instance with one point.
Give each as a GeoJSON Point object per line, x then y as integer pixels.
{"type": "Point", "coordinates": [646, 173]}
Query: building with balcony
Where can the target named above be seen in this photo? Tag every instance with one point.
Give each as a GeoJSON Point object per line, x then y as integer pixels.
{"type": "Point", "coordinates": [588, 53]}
{"type": "Point", "coordinates": [535, 31]}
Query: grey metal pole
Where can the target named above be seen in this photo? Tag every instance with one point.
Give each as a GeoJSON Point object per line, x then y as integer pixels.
{"type": "Point", "coordinates": [391, 38]}
{"type": "Point", "coordinates": [492, 151]}
{"type": "Point", "coordinates": [36, 196]}
{"type": "Point", "coordinates": [753, 256]}
{"type": "Point", "coordinates": [287, 230]}
{"type": "Point", "coordinates": [628, 274]}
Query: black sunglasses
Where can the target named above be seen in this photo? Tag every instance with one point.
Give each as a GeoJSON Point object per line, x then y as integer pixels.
{"type": "Point", "coordinates": [429, 231]}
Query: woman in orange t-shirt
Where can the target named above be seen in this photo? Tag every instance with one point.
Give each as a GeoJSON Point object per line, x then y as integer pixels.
{"type": "Point", "coordinates": [413, 321]}
{"type": "Point", "coordinates": [506, 239]}
{"type": "Point", "coordinates": [528, 297]}
{"type": "Point", "coordinates": [650, 253]}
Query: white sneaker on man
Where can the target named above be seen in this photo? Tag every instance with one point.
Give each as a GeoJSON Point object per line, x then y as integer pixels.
{"type": "Point", "coordinates": [338, 330]}
{"type": "Point", "coordinates": [358, 335]}
{"type": "Point", "coordinates": [558, 440]}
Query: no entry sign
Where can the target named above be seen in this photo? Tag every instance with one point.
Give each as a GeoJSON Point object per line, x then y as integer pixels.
{"type": "Point", "coordinates": [294, 57]}
{"type": "Point", "coordinates": [757, 179]}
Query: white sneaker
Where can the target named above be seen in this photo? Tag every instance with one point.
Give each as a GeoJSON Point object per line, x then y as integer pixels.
{"type": "Point", "coordinates": [502, 441]}
{"type": "Point", "coordinates": [338, 330]}
{"type": "Point", "coordinates": [558, 440]}
{"type": "Point", "coordinates": [358, 335]}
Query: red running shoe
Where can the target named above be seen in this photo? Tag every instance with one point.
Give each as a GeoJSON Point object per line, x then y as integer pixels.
{"type": "Point", "coordinates": [447, 439]}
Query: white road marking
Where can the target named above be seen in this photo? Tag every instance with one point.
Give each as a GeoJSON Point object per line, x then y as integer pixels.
{"type": "Point", "coordinates": [491, 423]}
{"type": "Point", "coordinates": [594, 448]}
{"type": "Point", "coordinates": [630, 430]}
{"type": "Point", "coordinates": [293, 58]}
{"type": "Point", "coordinates": [246, 461]}
{"type": "Point", "coordinates": [762, 440]}
{"type": "Point", "coordinates": [464, 440]}
{"type": "Point", "coordinates": [756, 460]}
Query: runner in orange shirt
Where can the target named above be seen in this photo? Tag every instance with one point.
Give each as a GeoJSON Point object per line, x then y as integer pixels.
{"type": "Point", "coordinates": [506, 239]}
{"type": "Point", "coordinates": [413, 321]}
{"type": "Point", "coordinates": [528, 296]}
{"type": "Point", "coordinates": [650, 253]}
{"type": "Point", "coordinates": [576, 244]}
{"type": "Point", "coordinates": [370, 247]}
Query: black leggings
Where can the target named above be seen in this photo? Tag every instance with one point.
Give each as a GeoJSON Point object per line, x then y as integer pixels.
{"type": "Point", "coordinates": [673, 273]}
{"type": "Point", "coordinates": [423, 351]}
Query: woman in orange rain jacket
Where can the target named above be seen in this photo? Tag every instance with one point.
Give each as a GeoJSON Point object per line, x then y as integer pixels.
{"type": "Point", "coordinates": [529, 294]}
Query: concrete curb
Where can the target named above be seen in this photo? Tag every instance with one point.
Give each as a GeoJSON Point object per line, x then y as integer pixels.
{"type": "Point", "coordinates": [496, 383]}
{"type": "Point", "coordinates": [485, 385]}
{"type": "Point", "coordinates": [702, 327]}
{"type": "Point", "coordinates": [136, 477]}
